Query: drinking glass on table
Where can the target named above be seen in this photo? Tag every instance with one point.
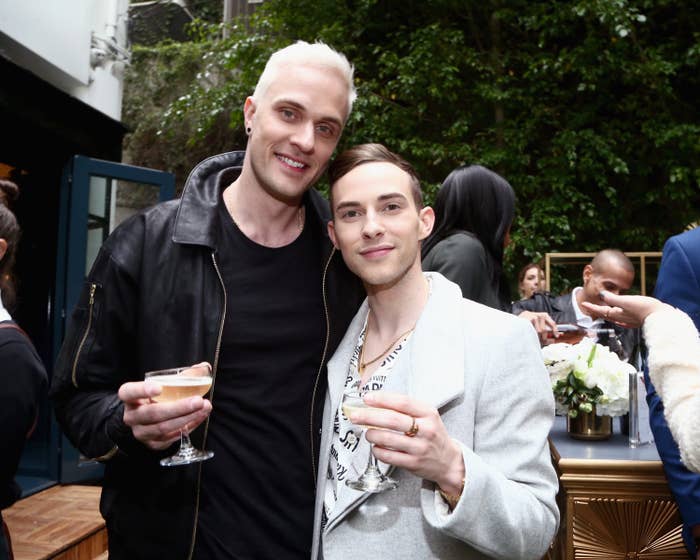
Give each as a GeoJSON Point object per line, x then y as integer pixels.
{"type": "Point", "coordinates": [182, 383]}
{"type": "Point", "coordinates": [372, 480]}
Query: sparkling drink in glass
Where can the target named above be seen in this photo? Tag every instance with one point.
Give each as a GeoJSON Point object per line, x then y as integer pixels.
{"type": "Point", "coordinates": [182, 383]}
{"type": "Point", "coordinates": [372, 480]}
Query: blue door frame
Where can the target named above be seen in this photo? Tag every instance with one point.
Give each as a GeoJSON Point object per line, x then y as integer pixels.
{"type": "Point", "coordinates": [70, 266]}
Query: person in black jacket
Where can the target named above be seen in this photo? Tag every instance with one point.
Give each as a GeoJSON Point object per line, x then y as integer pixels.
{"type": "Point", "coordinates": [611, 270]}
{"type": "Point", "coordinates": [22, 373]}
{"type": "Point", "coordinates": [240, 273]}
{"type": "Point", "coordinates": [474, 210]}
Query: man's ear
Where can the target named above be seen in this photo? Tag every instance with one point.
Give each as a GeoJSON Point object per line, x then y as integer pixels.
{"type": "Point", "coordinates": [427, 221]}
{"type": "Point", "coordinates": [249, 108]}
{"type": "Point", "coordinates": [331, 233]}
{"type": "Point", "coordinates": [587, 273]}
{"type": "Point", "coordinates": [3, 248]}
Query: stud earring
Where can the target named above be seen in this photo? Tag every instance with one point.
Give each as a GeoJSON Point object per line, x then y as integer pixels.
{"type": "Point", "coordinates": [247, 130]}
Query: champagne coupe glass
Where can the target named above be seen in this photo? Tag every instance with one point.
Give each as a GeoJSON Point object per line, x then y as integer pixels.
{"type": "Point", "coordinates": [181, 383]}
{"type": "Point", "coordinates": [372, 480]}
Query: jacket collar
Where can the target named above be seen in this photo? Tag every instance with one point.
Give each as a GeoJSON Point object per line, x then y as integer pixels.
{"type": "Point", "coordinates": [195, 223]}
{"type": "Point", "coordinates": [196, 220]}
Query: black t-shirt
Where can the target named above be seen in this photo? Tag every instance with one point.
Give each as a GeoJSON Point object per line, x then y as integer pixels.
{"type": "Point", "coordinates": [257, 494]}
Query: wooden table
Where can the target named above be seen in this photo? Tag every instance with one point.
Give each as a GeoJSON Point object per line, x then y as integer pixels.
{"type": "Point", "coordinates": [62, 522]}
{"type": "Point", "coordinates": [614, 501]}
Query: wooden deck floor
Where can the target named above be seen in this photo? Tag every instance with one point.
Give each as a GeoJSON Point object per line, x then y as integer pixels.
{"type": "Point", "coordinates": [60, 523]}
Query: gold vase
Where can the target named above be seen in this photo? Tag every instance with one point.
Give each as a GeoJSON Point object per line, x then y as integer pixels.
{"type": "Point", "coordinates": [589, 426]}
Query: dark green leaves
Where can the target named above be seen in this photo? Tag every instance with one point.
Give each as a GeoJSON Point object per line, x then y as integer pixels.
{"type": "Point", "coordinates": [588, 108]}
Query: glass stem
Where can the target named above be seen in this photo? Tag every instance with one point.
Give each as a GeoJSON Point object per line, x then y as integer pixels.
{"type": "Point", "coordinates": [185, 443]}
{"type": "Point", "coordinates": [372, 461]}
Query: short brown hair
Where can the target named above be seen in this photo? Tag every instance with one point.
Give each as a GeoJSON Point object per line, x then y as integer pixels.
{"type": "Point", "coordinates": [372, 153]}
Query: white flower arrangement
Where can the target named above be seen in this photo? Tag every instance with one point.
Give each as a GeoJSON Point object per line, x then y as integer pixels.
{"type": "Point", "coordinates": [585, 374]}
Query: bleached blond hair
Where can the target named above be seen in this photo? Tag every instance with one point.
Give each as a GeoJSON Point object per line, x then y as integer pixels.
{"type": "Point", "coordinates": [310, 54]}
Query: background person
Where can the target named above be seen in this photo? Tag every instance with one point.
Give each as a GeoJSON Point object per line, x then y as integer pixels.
{"type": "Point", "coordinates": [22, 374]}
{"type": "Point", "coordinates": [238, 272]}
{"type": "Point", "coordinates": [530, 280]}
{"type": "Point", "coordinates": [609, 270]}
{"type": "Point", "coordinates": [474, 210]}
{"type": "Point", "coordinates": [472, 483]}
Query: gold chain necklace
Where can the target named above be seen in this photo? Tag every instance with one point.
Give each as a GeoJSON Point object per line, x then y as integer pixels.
{"type": "Point", "coordinates": [362, 365]}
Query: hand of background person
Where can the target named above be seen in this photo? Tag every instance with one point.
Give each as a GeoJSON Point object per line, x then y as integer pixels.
{"type": "Point", "coordinates": [158, 425]}
{"type": "Point", "coordinates": [431, 453]}
{"type": "Point", "coordinates": [545, 326]}
{"type": "Point", "coordinates": [626, 311]}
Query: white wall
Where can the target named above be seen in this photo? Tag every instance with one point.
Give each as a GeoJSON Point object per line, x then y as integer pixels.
{"type": "Point", "coordinates": [53, 39]}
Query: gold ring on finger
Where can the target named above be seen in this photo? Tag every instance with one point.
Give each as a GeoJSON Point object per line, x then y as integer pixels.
{"type": "Point", "coordinates": [413, 430]}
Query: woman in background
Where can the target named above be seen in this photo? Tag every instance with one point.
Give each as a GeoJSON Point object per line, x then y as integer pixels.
{"type": "Point", "coordinates": [22, 374]}
{"type": "Point", "coordinates": [530, 280]}
{"type": "Point", "coordinates": [474, 210]}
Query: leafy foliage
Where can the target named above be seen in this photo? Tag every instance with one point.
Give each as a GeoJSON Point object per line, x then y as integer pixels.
{"type": "Point", "coordinates": [588, 108]}
{"type": "Point", "coordinates": [156, 81]}
{"type": "Point", "coordinates": [574, 393]}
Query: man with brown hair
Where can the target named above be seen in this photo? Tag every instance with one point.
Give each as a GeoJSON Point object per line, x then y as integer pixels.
{"type": "Point", "coordinates": [452, 383]}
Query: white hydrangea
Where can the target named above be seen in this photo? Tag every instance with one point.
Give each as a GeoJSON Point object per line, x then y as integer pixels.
{"type": "Point", "coordinates": [606, 371]}
{"type": "Point", "coordinates": [559, 360]}
{"type": "Point", "coordinates": [613, 379]}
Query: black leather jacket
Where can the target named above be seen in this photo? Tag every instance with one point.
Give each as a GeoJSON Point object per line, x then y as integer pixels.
{"type": "Point", "coordinates": [155, 299]}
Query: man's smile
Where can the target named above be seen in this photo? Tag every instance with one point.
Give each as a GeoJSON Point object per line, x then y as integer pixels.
{"type": "Point", "coordinates": [290, 162]}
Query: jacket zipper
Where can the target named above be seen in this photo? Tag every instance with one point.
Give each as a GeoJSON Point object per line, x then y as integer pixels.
{"type": "Point", "coordinates": [91, 302]}
{"type": "Point", "coordinates": [215, 367]}
{"type": "Point", "coordinates": [320, 368]}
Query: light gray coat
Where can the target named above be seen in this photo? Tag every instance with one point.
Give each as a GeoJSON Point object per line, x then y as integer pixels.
{"type": "Point", "coordinates": [483, 370]}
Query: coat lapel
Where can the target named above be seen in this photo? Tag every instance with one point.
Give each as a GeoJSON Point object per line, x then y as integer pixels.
{"type": "Point", "coordinates": [432, 369]}
{"type": "Point", "coordinates": [433, 372]}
